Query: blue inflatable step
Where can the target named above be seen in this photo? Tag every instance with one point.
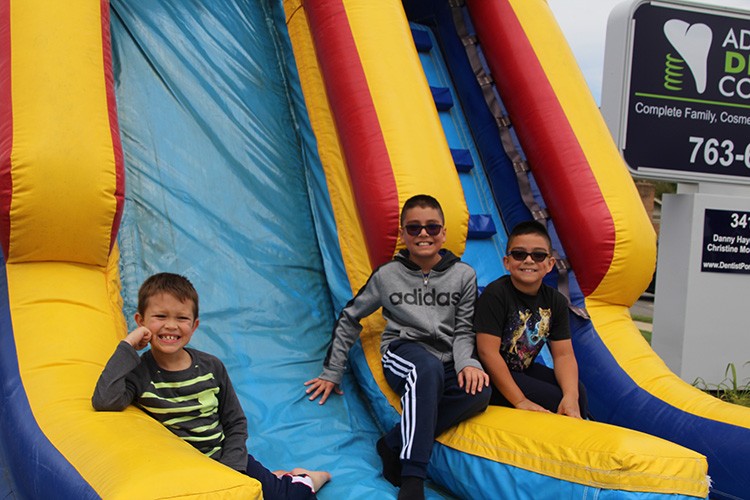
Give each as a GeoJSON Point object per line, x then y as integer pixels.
{"type": "Point", "coordinates": [421, 40]}
{"type": "Point", "coordinates": [443, 98]}
{"type": "Point", "coordinates": [481, 227]}
{"type": "Point", "coordinates": [462, 159]}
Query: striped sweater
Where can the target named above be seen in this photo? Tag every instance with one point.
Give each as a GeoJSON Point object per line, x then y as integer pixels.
{"type": "Point", "coordinates": [198, 404]}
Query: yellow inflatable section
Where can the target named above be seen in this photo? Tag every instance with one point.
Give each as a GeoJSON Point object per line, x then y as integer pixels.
{"type": "Point", "coordinates": [66, 173]}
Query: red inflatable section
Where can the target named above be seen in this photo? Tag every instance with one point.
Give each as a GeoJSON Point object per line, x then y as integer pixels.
{"type": "Point", "coordinates": [354, 111]}
{"type": "Point", "coordinates": [587, 231]}
{"type": "Point", "coordinates": [114, 125]}
{"type": "Point", "coordinates": [6, 126]}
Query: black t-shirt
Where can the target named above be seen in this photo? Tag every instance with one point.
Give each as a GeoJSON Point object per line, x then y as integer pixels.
{"type": "Point", "coordinates": [523, 322]}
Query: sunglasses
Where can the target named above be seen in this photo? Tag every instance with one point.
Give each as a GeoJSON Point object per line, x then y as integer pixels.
{"type": "Point", "coordinates": [416, 229]}
{"type": "Point", "coordinates": [520, 255]}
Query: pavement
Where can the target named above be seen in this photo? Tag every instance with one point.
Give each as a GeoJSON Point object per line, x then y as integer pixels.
{"type": "Point", "coordinates": [644, 307]}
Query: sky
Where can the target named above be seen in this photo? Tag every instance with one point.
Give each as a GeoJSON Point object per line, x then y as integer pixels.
{"type": "Point", "coordinates": [584, 24]}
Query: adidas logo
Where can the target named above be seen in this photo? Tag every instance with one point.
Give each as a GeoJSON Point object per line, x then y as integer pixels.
{"type": "Point", "coordinates": [419, 298]}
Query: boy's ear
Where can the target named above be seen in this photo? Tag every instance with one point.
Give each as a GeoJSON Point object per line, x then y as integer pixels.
{"type": "Point", "coordinates": [551, 263]}
{"type": "Point", "coordinates": [138, 319]}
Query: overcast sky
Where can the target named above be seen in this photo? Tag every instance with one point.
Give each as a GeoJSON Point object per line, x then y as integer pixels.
{"type": "Point", "coordinates": [584, 23]}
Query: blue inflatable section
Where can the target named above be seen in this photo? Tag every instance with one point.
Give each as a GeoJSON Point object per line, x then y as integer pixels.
{"type": "Point", "coordinates": [487, 238]}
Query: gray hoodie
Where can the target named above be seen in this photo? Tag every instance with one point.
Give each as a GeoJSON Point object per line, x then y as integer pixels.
{"type": "Point", "coordinates": [434, 310]}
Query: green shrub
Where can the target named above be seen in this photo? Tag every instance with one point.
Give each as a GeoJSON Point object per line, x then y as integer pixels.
{"type": "Point", "coordinates": [729, 389]}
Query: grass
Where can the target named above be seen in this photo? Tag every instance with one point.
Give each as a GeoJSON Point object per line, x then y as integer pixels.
{"type": "Point", "coordinates": [730, 389]}
{"type": "Point", "coordinates": [644, 319]}
{"type": "Point", "coordinates": [646, 335]}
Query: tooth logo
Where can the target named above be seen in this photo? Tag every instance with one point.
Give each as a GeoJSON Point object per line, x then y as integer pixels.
{"type": "Point", "coordinates": [692, 42]}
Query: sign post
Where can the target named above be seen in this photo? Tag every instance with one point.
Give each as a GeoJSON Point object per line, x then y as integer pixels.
{"type": "Point", "coordinates": [676, 97]}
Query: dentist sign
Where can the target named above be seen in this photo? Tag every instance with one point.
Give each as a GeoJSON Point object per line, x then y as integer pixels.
{"type": "Point", "coordinates": [676, 91]}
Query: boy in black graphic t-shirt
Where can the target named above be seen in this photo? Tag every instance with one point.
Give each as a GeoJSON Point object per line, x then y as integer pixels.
{"type": "Point", "coordinates": [514, 317]}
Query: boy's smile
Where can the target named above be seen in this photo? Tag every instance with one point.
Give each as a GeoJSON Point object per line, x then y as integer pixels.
{"type": "Point", "coordinates": [527, 274]}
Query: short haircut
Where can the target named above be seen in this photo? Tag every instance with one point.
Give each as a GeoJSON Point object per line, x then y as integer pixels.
{"type": "Point", "coordinates": [529, 227]}
{"type": "Point", "coordinates": [422, 201]}
{"type": "Point", "coordinates": [173, 284]}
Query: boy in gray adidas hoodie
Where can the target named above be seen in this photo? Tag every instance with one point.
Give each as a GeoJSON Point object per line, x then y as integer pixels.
{"type": "Point", "coordinates": [427, 295]}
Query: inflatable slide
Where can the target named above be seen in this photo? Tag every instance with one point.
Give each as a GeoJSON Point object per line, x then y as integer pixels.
{"type": "Point", "coordinates": [263, 150]}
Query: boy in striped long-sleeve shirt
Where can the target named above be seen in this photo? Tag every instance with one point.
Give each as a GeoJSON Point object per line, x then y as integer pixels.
{"type": "Point", "coordinates": [186, 390]}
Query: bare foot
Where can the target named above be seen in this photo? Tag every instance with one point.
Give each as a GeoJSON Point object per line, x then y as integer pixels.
{"type": "Point", "coordinates": [319, 477]}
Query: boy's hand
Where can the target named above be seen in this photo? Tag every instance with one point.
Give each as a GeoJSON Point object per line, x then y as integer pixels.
{"type": "Point", "coordinates": [473, 380]}
{"type": "Point", "coordinates": [527, 404]}
{"type": "Point", "coordinates": [139, 338]}
{"type": "Point", "coordinates": [569, 406]}
{"type": "Point", "coordinates": [319, 386]}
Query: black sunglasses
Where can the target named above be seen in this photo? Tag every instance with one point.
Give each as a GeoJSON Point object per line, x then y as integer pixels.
{"type": "Point", "coordinates": [520, 255]}
{"type": "Point", "coordinates": [415, 229]}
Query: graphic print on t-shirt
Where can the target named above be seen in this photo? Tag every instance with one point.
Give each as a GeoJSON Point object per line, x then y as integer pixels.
{"type": "Point", "coordinates": [524, 337]}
